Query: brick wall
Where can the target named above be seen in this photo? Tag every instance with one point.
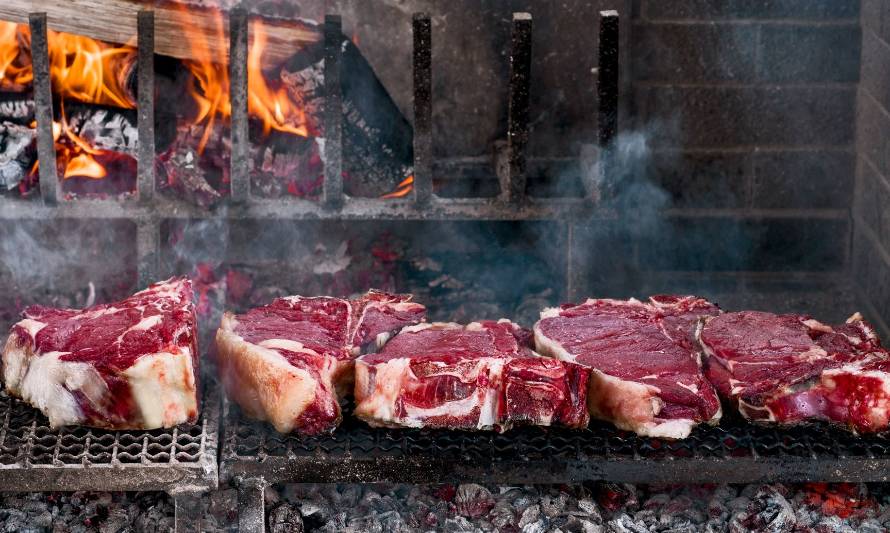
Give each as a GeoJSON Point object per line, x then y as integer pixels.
{"type": "Point", "coordinates": [871, 208]}
{"type": "Point", "coordinates": [750, 109]}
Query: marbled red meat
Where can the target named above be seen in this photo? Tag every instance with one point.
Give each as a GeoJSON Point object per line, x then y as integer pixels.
{"type": "Point", "coordinates": [646, 373]}
{"type": "Point", "coordinates": [789, 369]}
{"type": "Point", "coordinates": [291, 361]}
{"type": "Point", "coordinates": [125, 365]}
{"type": "Point", "coordinates": [479, 376]}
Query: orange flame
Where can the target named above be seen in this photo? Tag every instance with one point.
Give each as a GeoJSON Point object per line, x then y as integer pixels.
{"type": "Point", "coordinates": [274, 107]}
{"type": "Point", "coordinates": [402, 189]}
{"type": "Point", "coordinates": [15, 61]}
{"type": "Point", "coordinates": [89, 70]}
{"type": "Point", "coordinates": [84, 165]}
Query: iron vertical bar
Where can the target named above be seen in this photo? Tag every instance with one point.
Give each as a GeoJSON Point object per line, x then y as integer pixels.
{"type": "Point", "coordinates": [251, 505]}
{"type": "Point", "coordinates": [333, 113]}
{"type": "Point", "coordinates": [188, 512]}
{"type": "Point", "coordinates": [43, 109]}
{"type": "Point", "coordinates": [423, 109]}
{"type": "Point", "coordinates": [517, 133]}
{"type": "Point", "coordinates": [607, 90]}
{"type": "Point", "coordinates": [238, 35]}
{"type": "Point", "coordinates": [145, 35]}
{"type": "Point", "coordinates": [148, 243]}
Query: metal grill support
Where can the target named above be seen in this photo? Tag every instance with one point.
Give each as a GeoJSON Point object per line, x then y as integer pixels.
{"type": "Point", "coordinates": [43, 109]}
{"type": "Point", "coordinates": [607, 89]}
{"type": "Point", "coordinates": [239, 163]}
{"type": "Point", "coordinates": [145, 177]}
{"type": "Point", "coordinates": [251, 505]}
{"type": "Point", "coordinates": [333, 113]}
{"type": "Point", "coordinates": [517, 129]}
{"type": "Point", "coordinates": [423, 109]}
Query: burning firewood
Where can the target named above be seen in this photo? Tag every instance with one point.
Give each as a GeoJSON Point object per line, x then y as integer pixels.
{"type": "Point", "coordinates": [16, 109]}
{"type": "Point", "coordinates": [105, 128]}
{"type": "Point", "coordinates": [183, 167]}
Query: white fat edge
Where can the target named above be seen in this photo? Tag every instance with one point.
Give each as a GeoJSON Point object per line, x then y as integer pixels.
{"type": "Point", "coordinates": [814, 324]}
{"type": "Point", "coordinates": [635, 394]}
{"type": "Point", "coordinates": [693, 388]}
{"type": "Point", "coordinates": [884, 377]}
{"type": "Point", "coordinates": [488, 410]}
{"type": "Point", "coordinates": [813, 354]}
{"type": "Point", "coordinates": [46, 385]}
{"type": "Point", "coordinates": [32, 326]}
{"type": "Point", "coordinates": [669, 429]}
{"type": "Point", "coordinates": [749, 411]}
{"type": "Point", "coordinates": [717, 416]}
{"type": "Point", "coordinates": [163, 388]}
{"type": "Point", "coordinates": [287, 344]}
{"type": "Point", "coordinates": [380, 404]}
{"type": "Point", "coordinates": [548, 347]}
{"type": "Point", "coordinates": [96, 313]}
{"type": "Point", "coordinates": [143, 325]}
{"type": "Point", "coordinates": [430, 325]}
{"type": "Point", "coordinates": [550, 312]}
{"type": "Point", "coordinates": [15, 364]}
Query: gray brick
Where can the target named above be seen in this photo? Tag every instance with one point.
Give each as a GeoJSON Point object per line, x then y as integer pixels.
{"type": "Point", "coordinates": [872, 14]}
{"type": "Point", "coordinates": [694, 52]}
{"type": "Point", "coordinates": [702, 179]}
{"type": "Point", "coordinates": [796, 52]}
{"type": "Point", "coordinates": [873, 133]}
{"type": "Point", "coordinates": [729, 116]}
{"type": "Point", "coordinates": [763, 245]}
{"type": "Point", "coordinates": [803, 179]}
{"type": "Point", "coordinates": [765, 9]}
{"type": "Point", "coordinates": [872, 273]}
{"type": "Point", "coordinates": [872, 204]}
{"type": "Point", "coordinates": [876, 68]}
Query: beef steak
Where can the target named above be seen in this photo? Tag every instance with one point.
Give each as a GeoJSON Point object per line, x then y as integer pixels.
{"type": "Point", "coordinates": [125, 365]}
{"type": "Point", "coordinates": [789, 369]}
{"type": "Point", "coordinates": [480, 376]}
{"type": "Point", "coordinates": [289, 362]}
{"type": "Point", "coordinates": [646, 374]}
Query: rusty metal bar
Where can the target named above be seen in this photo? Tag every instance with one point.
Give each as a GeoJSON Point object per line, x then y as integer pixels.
{"type": "Point", "coordinates": [145, 173]}
{"type": "Point", "coordinates": [517, 132]}
{"type": "Point", "coordinates": [239, 163]}
{"type": "Point", "coordinates": [607, 78]}
{"type": "Point", "coordinates": [423, 109]}
{"type": "Point", "coordinates": [43, 110]}
{"type": "Point", "coordinates": [333, 113]}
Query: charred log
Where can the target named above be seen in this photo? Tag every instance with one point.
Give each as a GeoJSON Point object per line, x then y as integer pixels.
{"type": "Point", "coordinates": [18, 151]}
{"type": "Point", "coordinates": [287, 165]}
{"type": "Point", "coordinates": [187, 171]}
{"type": "Point", "coordinates": [105, 128]}
{"type": "Point", "coordinates": [16, 107]}
{"type": "Point", "coordinates": [377, 140]}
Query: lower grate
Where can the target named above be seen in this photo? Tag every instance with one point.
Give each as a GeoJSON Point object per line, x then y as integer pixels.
{"type": "Point", "coordinates": [35, 457]}
{"type": "Point", "coordinates": [734, 452]}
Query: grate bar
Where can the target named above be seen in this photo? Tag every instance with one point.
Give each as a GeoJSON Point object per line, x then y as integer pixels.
{"type": "Point", "coordinates": [148, 244]}
{"type": "Point", "coordinates": [333, 114]}
{"type": "Point", "coordinates": [607, 83]}
{"type": "Point", "coordinates": [145, 173]}
{"type": "Point", "coordinates": [239, 162]}
{"type": "Point", "coordinates": [423, 109]}
{"type": "Point", "coordinates": [43, 109]}
{"type": "Point", "coordinates": [517, 128]}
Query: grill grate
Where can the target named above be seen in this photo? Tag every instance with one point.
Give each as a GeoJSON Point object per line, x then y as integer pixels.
{"type": "Point", "coordinates": [733, 452]}
{"type": "Point", "coordinates": [35, 457]}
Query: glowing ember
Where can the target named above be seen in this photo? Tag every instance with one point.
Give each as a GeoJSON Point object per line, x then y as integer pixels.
{"type": "Point", "coordinates": [402, 189]}
{"type": "Point", "coordinates": [84, 165]}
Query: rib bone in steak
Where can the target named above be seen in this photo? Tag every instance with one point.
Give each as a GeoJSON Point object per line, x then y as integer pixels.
{"type": "Point", "coordinates": [646, 372]}
{"type": "Point", "coordinates": [125, 365]}
{"type": "Point", "coordinates": [480, 376]}
{"type": "Point", "coordinates": [290, 361]}
{"type": "Point", "coordinates": [790, 368]}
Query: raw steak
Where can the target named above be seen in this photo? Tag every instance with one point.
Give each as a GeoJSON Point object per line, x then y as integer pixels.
{"type": "Point", "coordinates": [790, 368]}
{"type": "Point", "coordinates": [126, 365]}
{"type": "Point", "coordinates": [646, 369]}
{"type": "Point", "coordinates": [289, 362]}
{"type": "Point", "coordinates": [480, 376]}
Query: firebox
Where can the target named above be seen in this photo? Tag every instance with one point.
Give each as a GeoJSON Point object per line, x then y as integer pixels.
{"type": "Point", "coordinates": [264, 154]}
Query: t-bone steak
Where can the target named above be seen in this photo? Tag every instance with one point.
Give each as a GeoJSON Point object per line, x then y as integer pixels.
{"type": "Point", "coordinates": [291, 361]}
{"type": "Point", "coordinates": [790, 369]}
{"type": "Point", "coordinates": [480, 376]}
{"type": "Point", "coordinates": [646, 373]}
{"type": "Point", "coordinates": [125, 365]}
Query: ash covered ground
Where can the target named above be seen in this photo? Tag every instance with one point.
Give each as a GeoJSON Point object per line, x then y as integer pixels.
{"type": "Point", "coordinates": [596, 507]}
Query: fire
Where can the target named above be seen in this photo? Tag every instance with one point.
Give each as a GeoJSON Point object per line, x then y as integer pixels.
{"type": "Point", "coordinates": [402, 189]}
{"type": "Point", "coordinates": [274, 107]}
{"type": "Point", "coordinates": [90, 71]}
{"type": "Point", "coordinates": [84, 165]}
{"type": "Point", "coordinates": [15, 61]}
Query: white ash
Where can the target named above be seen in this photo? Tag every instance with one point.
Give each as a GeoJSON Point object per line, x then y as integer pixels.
{"type": "Point", "coordinates": [17, 152]}
{"type": "Point", "coordinates": [103, 512]}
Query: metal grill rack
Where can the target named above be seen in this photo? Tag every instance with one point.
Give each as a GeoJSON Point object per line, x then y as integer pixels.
{"type": "Point", "coordinates": [181, 461]}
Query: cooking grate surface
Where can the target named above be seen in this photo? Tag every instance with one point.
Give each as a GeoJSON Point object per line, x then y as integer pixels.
{"type": "Point", "coordinates": [34, 456]}
{"type": "Point", "coordinates": [732, 452]}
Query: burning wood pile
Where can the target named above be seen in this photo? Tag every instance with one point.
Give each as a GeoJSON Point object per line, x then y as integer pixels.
{"type": "Point", "coordinates": [94, 87]}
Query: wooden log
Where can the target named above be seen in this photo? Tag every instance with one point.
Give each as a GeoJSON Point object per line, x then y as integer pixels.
{"type": "Point", "coordinates": [114, 21]}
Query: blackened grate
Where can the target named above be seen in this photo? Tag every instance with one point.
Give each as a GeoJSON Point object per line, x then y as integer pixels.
{"type": "Point", "coordinates": [34, 456]}
{"type": "Point", "coordinates": [734, 452]}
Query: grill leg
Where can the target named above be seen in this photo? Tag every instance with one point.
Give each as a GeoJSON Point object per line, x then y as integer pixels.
{"type": "Point", "coordinates": [189, 511]}
{"type": "Point", "coordinates": [251, 505]}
